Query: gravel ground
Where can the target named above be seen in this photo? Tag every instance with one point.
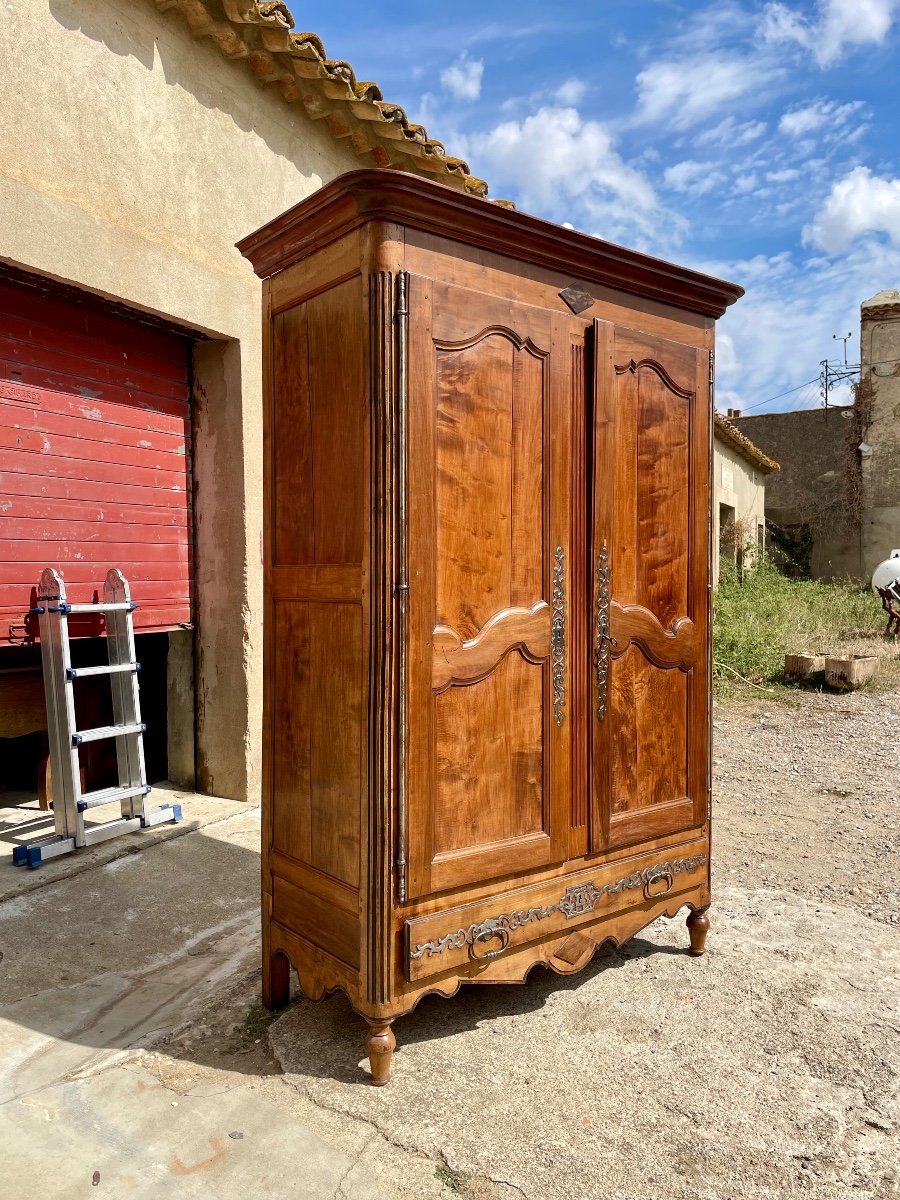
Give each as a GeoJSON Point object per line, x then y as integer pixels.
{"type": "Point", "coordinates": [767, 1069]}
{"type": "Point", "coordinates": [807, 797]}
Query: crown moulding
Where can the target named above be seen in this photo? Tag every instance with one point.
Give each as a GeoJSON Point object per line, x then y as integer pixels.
{"type": "Point", "coordinates": [372, 194]}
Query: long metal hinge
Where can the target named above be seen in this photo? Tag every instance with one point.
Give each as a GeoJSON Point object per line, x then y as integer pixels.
{"type": "Point", "coordinates": [401, 317]}
{"type": "Point", "coordinates": [709, 582]}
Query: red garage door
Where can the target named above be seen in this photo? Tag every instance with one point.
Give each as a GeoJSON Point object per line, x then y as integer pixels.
{"type": "Point", "coordinates": [94, 456]}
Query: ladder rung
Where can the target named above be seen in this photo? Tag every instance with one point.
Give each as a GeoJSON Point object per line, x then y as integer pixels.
{"type": "Point", "coordinates": [113, 606]}
{"type": "Point", "coordinates": [110, 669]}
{"type": "Point", "coordinates": [110, 794]}
{"type": "Point", "coordinates": [106, 731]}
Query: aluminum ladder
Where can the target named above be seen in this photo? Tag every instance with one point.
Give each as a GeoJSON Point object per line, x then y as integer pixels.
{"type": "Point", "coordinates": [69, 802]}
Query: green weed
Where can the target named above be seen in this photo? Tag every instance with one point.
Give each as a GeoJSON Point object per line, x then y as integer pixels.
{"type": "Point", "coordinates": [764, 615]}
{"type": "Point", "coordinates": [454, 1181]}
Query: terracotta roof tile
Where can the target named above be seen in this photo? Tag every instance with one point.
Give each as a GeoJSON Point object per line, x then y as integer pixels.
{"type": "Point", "coordinates": [261, 34]}
{"type": "Point", "coordinates": [733, 437]}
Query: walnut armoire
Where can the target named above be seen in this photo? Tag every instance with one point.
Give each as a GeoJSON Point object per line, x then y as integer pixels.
{"type": "Point", "coordinates": [487, 594]}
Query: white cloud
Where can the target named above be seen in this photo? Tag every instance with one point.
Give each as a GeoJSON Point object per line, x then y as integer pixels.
{"type": "Point", "coordinates": [800, 121]}
{"type": "Point", "coordinates": [744, 184]}
{"type": "Point", "coordinates": [731, 133]}
{"type": "Point", "coordinates": [787, 175]}
{"type": "Point", "coordinates": [838, 25]}
{"type": "Point", "coordinates": [861, 203]}
{"type": "Point", "coordinates": [571, 92]}
{"type": "Point", "coordinates": [463, 78]}
{"type": "Point", "coordinates": [568, 94]}
{"type": "Point", "coordinates": [695, 178]}
{"type": "Point", "coordinates": [683, 92]}
{"type": "Point", "coordinates": [774, 338]}
{"type": "Point", "coordinates": [568, 168]}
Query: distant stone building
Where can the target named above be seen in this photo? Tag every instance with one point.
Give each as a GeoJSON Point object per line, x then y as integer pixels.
{"type": "Point", "coordinates": [836, 503]}
{"type": "Point", "coordinates": [878, 402]}
{"type": "Point", "coordinates": [806, 502]}
{"type": "Point", "coordinates": [740, 472]}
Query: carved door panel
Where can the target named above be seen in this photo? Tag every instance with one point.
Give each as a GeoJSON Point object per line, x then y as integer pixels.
{"type": "Point", "coordinates": [489, 588]}
{"type": "Point", "coordinates": [650, 538]}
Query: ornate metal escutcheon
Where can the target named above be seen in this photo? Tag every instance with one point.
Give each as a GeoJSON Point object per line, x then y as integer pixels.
{"type": "Point", "coordinates": [558, 636]}
{"type": "Point", "coordinates": [657, 881]}
{"type": "Point", "coordinates": [604, 640]}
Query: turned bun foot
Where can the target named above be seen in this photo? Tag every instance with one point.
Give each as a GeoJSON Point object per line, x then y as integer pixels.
{"type": "Point", "coordinates": [698, 928]}
{"type": "Point", "coordinates": [380, 1043]}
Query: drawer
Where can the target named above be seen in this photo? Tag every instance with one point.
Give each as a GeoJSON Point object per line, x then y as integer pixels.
{"type": "Point", "coordinates": [486, 929]}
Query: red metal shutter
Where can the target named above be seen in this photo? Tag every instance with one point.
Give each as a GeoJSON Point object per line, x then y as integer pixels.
{"type": "Point", "coordinates": [94, 457]}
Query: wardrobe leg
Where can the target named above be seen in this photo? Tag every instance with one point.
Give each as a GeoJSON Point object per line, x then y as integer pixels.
{"type": "Point", "coordinates": [276, 982]}
{"type": "Point", "coordinates": [380, 1043]}
{"type": "Point", "coordinates": [698, 928]}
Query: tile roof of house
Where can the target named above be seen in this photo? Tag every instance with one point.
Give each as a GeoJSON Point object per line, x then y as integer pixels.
{"type": "Point", "coordinates": [260, 33]}
{"type": "Point", "coordinates": [732, 436]}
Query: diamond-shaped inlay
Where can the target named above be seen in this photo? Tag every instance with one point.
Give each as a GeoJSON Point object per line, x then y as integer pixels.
{"type": "Point", "coordinates": [577, 297]}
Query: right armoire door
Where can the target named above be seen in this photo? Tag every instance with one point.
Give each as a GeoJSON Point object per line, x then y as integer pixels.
{"type": "Point", "coordinates": [649, 544]}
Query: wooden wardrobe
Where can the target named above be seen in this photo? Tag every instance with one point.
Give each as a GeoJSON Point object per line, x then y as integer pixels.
{"type": "Point", "coordinates": [487, 594]}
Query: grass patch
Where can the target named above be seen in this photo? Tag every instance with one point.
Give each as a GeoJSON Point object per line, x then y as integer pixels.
{"type": "Point", "coordinates": [454, 1181]}
{"type": "Point", "coordinates": [759, 619]}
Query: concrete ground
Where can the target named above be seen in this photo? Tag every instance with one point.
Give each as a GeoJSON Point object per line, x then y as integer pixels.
{"type": "Point", "coordinates": [117, 949]}
{"type": "Point", "coordinates": [132, 1045]}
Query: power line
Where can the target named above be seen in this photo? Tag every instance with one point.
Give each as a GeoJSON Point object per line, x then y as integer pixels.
{"type": "Point", "coordinates": [789, 392]}
{"type": "Point", "coordinates": [887, 362]}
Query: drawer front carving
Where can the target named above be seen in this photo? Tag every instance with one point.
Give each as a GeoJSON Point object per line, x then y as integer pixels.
{"type": "Point", "coordinates": [487, 929]}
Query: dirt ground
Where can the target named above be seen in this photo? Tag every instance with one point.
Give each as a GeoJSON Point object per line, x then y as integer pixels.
{"type": "Point", "coordinates": [767, 1069]}
{"type": "Point", "coordinates": [807, 797]}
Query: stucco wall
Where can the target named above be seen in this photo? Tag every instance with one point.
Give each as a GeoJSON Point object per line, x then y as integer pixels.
{"type": "Point", "coordinates": [812, 447]}
{"type": "Point", "coordinates": [743, 488]}
{"type": "Point", "coordinates": [880, 341]}
{"type": "Point", "coordinates": [132, 158]}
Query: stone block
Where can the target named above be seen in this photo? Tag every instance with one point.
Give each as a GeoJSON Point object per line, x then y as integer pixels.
{"type": "Point", "coordinates": [802, 668]}
{"type": "Point", "coordinates": [847, 674]}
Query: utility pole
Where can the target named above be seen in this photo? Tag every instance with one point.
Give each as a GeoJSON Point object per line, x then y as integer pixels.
{"type": "Point", "coordinates": [824, 384]}
{"type": "Point", "coordinates": [831, 373]}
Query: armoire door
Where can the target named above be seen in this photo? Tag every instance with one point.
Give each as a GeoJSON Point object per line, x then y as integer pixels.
{"type": "Point", "coordinates": [650, 561]}
{"type": "Point", "coordinates": [489, 674]}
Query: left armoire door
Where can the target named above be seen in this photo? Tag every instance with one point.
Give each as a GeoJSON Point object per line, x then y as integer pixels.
{"type": "Point", "coordinates": [490, 557]}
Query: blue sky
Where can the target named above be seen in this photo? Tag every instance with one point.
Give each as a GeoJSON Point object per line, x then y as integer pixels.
{"type": "Point", "coordinates": [753, 139]}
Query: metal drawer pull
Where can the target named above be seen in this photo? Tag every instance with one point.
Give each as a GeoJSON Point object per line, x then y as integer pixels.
{"type": "Point", "coordinates": [663, 875]}
{"type": "Point", "coordinates": [577, 900]}
{"type": "Point", "coordinates": [488, 933]}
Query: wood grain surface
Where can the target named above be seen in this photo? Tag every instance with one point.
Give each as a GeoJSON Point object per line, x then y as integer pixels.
{"type": "Point", "coordinates": [426, 771]}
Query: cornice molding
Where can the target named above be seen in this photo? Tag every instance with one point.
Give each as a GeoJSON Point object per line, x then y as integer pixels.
{"type": "Point", "coordinates": [881, 312]}
{"type": "Point", "coordinates": [368, 195]}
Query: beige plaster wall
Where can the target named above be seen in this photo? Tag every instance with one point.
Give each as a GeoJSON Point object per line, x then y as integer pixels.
{"type": "Point", "coordinates": [738, 484]}
{"type": "Point", "coordinates": [132, 157]}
